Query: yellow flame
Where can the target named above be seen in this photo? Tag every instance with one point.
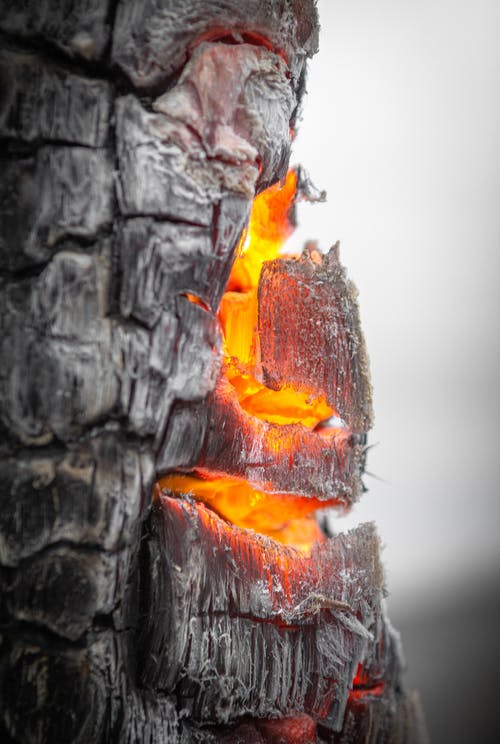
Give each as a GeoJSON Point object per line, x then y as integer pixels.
{"type": "Point", "coordinates": [268, 229]}
{"type": "Point", "coordinates": [285, 518]}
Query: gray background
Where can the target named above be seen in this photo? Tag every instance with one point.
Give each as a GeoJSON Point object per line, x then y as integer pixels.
{"type": "Point", "coordinates": [401, 125]}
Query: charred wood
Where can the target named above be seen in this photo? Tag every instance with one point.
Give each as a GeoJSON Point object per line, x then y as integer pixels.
{"type": "Point", "coordinates": [43, 102]}
{"type": "Point", "coordinates": [312, 337]}
{"type": "Point", "coordinates": [123, 204]}
{"type": "Point", "coordinates": [61, 192]}
{"type": "Point", "coordinates": [251, 627]}
{"type": "Point", "coordinates": [78, 28]}
{"type": "Point", "coordinates": [278, 459]}
{"type": "Point", "coordinates": [165, 33]}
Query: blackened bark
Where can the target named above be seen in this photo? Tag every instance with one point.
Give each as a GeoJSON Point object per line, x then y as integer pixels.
{"type": "Point", "coordinates": [126, 183]}
{"type": "Point", "coordinates": [286, 633]}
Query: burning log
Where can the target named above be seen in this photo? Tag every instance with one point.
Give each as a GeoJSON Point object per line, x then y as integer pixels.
{"type": "Point", "coordinates": [144, 359]}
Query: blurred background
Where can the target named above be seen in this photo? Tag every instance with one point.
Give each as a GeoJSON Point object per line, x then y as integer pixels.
{"type": "Point", "coordinates": [401, 126]}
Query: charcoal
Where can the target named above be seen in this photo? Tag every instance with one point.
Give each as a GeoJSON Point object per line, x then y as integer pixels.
{"type": "Point", "coordinates": [390, 719]}
{"type": "Point", "coordinates": [154, 178]}
{"type": "Point", "coordinates": [51, 692]}
{"type": "Point", "coordinates": [76, 27]}
{"type": "Point", "coordinates": [243, 116]}
{"type": "Point", "coordinates": [166, 31]}
{"type": "Point", "coordinates": [54, 328]}
{"type": "Point", "coordinates": [312, 336]}
{"type": "Point", "coordinates": [61, 192]}
{"type": "Point", "coordinates": [279, 459]}
{"type": "Point", "coordinates": [90, 495]}
{"type": "Point", "coordinates": [44, 103]}
{"type": "Point", "coordinates": [136, 136]}
{"type": "Point", "coordinates": [64, 589]}
{"type": "Point", "coordinates": [234, 596]}
{"type": "Point", "coordinates": [160, 260]}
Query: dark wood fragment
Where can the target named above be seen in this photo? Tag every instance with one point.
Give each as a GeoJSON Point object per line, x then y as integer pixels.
{"type": "Point", "coordinates": [238, 101]}
{"type": "Point", "coordinates": [155, 175]}
{"type": "Point", "coordinates": [160, 260]}
{"type": "Point", "coordinates": [394, 718]}
{"type": "Point", "coordinates": [152, 377]}
{"type": "Point", "coordinates": [63, 589]}
{"type": "Point", "coordinates": [90, 495]}
{"type": "Point", "coordinates": [279, 459]}
{"type": "Point", "coordinates": [52, 693]}
{"type": "Point", "coordinates": [312, 337]}
{"type": "Point", "coordinates": [77, 27]}
{"type": "Point", "coordinates": [55, 691]}
{"type": "Point", "coordinates": [184, 437]}
{"type": "Point", "coordinates": [99, 393]}
{"type": "Point", "coordinates": [242, 625]}
{"type": "Point", "coordinates": [62, 192]}
{"type": "Point", "coordinates": [165, 32]}
{"type": "Point", "coordinates": [54, 329]}
{"type": "Point", "coordinates": [43, 102]}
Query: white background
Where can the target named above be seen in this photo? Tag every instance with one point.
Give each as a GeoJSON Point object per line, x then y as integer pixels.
{"type": "Point", "coordinates": [401, 126]}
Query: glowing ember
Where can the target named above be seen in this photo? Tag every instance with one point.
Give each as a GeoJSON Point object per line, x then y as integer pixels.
{"type": "Point", "coordinates": [269, 227]}
{"type": "Point", "coordinates": [363, 686]}
{"type": "Point", "coordinates": [287, 518]}
{"type": "Point", "coordinates": [284, 517]}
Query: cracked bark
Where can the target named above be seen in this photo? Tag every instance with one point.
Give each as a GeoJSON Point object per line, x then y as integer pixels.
{"type": "Point", "coordinates": [126, 183]}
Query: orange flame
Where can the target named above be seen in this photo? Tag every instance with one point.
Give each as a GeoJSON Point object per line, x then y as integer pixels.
{"type": "Point", "coordinates": [270, 225]}
{"type": "Point", "coordinates": [286, 518]}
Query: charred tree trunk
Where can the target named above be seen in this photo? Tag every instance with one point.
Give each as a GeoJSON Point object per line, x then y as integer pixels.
{"type": "Point", "coordinates": [135, 136]}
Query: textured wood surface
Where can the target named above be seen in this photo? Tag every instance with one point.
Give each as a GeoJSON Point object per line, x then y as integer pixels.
{"type": "Point", "coordinates": [286, 633]}
{"type": "Point", "coordinates": [78, 28]}
{"type": "Point", "coordinates": [312, 337]}
{"type": "Point", "coordinates": [291, 460]}
{"type": "Point", "coordinates": [134, 137]}
{"type": "Point", "coordinates": [165, 31]}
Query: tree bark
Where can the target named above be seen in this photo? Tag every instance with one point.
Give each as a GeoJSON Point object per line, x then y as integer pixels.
{"type": "Point", "coordinates": [127, 180]}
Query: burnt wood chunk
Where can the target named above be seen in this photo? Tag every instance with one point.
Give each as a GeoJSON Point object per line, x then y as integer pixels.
{"type": "Point", "coordinates": [90, 495]}
{"type": "Point", "coordinates": [157, 175]}
{"type": "Point", "coordinates": [393, 718]}
{"type": "Point", "coordinates": [184, 437]}
{"type": "Point", "coordinates": [63, 589]}
{"type": "Point", "coordinates": [136, 135]}
{"type": "Point", "coordinates": [62, 192]}
{"type": "Point", "coordinates": [160, 260]}
{"type": "Point", "coordinates": [81, 693]}
{"type": "Point", "coordinates": [279, 459]}
{"type": "Point", "coordinates": [251, 626]}
{"type": "Point", "coordinates": [312, 336]}
{"type": "Point", "coordinates": [54, 328]}
{"type": "Point", "coordinates": [152, 377]}
{"type": "Point", "coordinates": [147, 718]}
{"type": "Point", "coordinates": [77, 27]}
{"type": "Point", "coordinates": [165, 32]}
{"type": "Point", "coordinates": [42, 102]}
{"type": "Point", "coordinates": [239, 102]}
{"type": "Point", "coordinates": [51, 692]}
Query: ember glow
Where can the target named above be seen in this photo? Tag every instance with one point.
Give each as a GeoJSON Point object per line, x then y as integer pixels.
{"type": "Point", "coordinates": [270, 225]}
{"type": "Point", "coordinates": [286, 517]}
